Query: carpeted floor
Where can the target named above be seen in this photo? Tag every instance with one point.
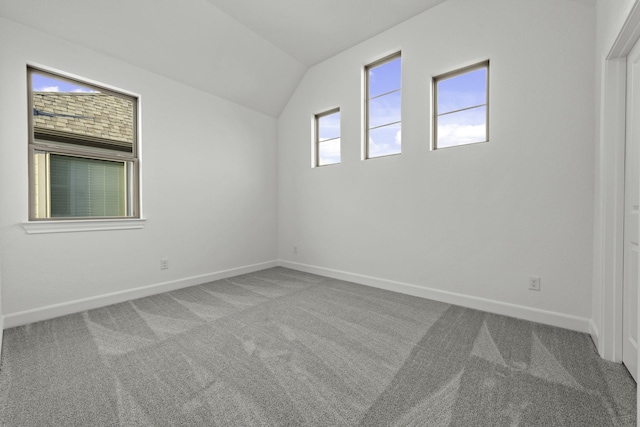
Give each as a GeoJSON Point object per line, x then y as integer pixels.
{"type": "Point", "coordinates": [285, 348]}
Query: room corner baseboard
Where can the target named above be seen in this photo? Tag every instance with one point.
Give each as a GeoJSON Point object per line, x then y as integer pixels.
{"type": "Point", "coordinates": [595, 334]}
{"type": "Point", "coordinates": [498, 307]}
{"type": "Point", "coordinates": [43, 313]}
{"type": "Point", "coordinates": [1, 334]}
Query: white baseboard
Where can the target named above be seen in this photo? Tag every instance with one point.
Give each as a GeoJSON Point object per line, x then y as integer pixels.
{"type": "Point", "coordinates": [1, 335]}
{"type": "Point", "coordinates": [498, 307]}
{"type": "Point", "coordinates": [522, 312]}
{"type": "Point", "coordinates": [595, 334]}
{"type": "Point", "coordinates": [56, 310]}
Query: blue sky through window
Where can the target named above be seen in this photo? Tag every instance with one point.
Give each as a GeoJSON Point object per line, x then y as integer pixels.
{"type": "Point", "coordinates": [329, 126]}
{"type": "Point", "coordinates": [462, 91]}
{"type": "Point", "coordinates": [41, 83]}
{"type": "Point", "coordinates": [329, 139]}
{"type": "Point", "coordinates": [385, 77]}
{"type": "Point", "coordinates": [385, 140]}
{"type": "Point", "coordinates": [462, 108]}
{"type": "Point", "coordinates": [384, 108]}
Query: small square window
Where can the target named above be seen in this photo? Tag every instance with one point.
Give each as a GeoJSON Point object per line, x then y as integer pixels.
{"type": "Point", "coordinates": [383, 107]}
{"type": "Point", "coordinates": [327, 141]}
{"type": "Point", "coordinates": [461, 101]}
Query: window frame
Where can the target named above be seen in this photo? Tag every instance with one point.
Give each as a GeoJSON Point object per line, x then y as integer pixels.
{"type": "Point", "coordinates": [377, 63]}
{"type": "Point", "coordinates": [448, 75]}
{"type": "Point", "coordinates": [58, 146]}
{"type": "Point", "coordinates": [317, 141]}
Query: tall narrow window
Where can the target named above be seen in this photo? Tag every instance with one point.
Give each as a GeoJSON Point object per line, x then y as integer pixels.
{"type": "Point", "coordinates": [461, 101]}
{"type": "Point", "coordinates": [82, 150]}
{"type": "Point", "coordinates": [383, 101]}
{"type": "Point", "coordinates": [327, 141]}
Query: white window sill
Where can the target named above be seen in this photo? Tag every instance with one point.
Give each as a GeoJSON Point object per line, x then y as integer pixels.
{"type": "Point", "coordinates": [73, 226]}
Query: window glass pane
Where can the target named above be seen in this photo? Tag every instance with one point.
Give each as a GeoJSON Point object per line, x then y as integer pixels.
{"type": "Point", "coordinates": [329, 126]}
{"type": "Point", "coordinates": [385, 140]}
{"type": "Point", "coordinates": [40, 178]}
{"type": "Point", "coordinates": [75, 114]}
{"type": "Point", "coordinates": [87, 187]}
{"type": "Point", "coordinates": [328, 142]}
{"type": "Point", "coordinates": [384, 109]}
{"type": "Point", "coordinates": [329, 152]}
{"type": "Point", "coordinates": [462, 91]}
{"type": "Point", "coordinates": [462, 127]}
{"type": "Point", "coordinates": [385, 77]}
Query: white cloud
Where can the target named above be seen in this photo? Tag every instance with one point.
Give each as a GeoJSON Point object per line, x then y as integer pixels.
{"type": "Point", "coordinates": [57, 89]}
{"type": "Point", "coordinates": [455, 134]}
{"type": "Point", "coordinates": [48, 89]}
{"type": "Point", "coordinates": [385, 140]}
{"type": "Point", "coordinates": [329, 152]}
{"type": "Point", "coordinates": [384, 149]}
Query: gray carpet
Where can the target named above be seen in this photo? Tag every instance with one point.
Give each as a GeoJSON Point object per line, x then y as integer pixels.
{"type": "Point", "coordinates": [285, 348]}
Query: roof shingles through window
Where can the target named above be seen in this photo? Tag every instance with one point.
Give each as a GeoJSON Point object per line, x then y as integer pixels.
{"type": "Point", "coordinates": [93, 114]}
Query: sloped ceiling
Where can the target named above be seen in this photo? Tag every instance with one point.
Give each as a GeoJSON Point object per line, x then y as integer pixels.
{"type": "Point", "coordinates": [312, 31]}
{"type": "Point", "coordinates": [251, 52]}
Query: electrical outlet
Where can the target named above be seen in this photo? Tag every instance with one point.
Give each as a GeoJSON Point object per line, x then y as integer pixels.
{"type": "Point", "coordinates": [295, 249]}
{"type": "Point", "coordinates": [164, 264]}
{"type": "Point", "coordinates": [534, 283]}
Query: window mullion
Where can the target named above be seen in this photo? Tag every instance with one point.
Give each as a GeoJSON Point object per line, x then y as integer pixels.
{"type": "Point", "coordinates": [383, 94]}
{"type": "Point", "coordinates": [462, 109]}
{"type": "Point", "coordinates": [386, 124]}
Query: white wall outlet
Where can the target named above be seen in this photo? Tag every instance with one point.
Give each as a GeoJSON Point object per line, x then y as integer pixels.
{"type": "Point", "coordinates": [164, 263]}
{"type": "Point", "coordinates": [295, 249]}
{"type": "Point", "coordinates": [534, 283]}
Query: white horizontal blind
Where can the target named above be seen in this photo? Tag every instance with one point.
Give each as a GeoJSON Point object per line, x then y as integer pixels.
{"type": "Point", "coordinates": [82, 187]}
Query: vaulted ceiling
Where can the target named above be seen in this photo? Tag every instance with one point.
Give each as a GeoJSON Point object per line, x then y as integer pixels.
{"type": "Point", "coordinates": [312, 31]}
{"type": "Point", "coordinates": [252, 52]}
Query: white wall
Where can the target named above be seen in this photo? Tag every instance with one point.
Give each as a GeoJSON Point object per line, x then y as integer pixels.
{"type": "Point", "coordinates": [209, 186]}
{"type": "Point", "coordinates": [610, 15]}
{"type": "Point", "coordinates": [467, 224]}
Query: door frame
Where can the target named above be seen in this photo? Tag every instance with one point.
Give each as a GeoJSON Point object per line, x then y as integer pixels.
{"type": "Point", "coordinates": [606, 324]}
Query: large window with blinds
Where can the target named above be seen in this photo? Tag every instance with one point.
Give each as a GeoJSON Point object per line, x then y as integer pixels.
{"type": "Point", "coordinates": [83, 150]}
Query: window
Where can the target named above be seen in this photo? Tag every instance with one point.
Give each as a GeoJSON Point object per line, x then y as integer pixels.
{"type": "Point", "coordinates": [83, 150]}
{"type": "Point", "coordinates": [328, 138]}
{"type": "Point", "coordinates": [383, 133]}
{"type": "Point", "coordinates": [461, 100]}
